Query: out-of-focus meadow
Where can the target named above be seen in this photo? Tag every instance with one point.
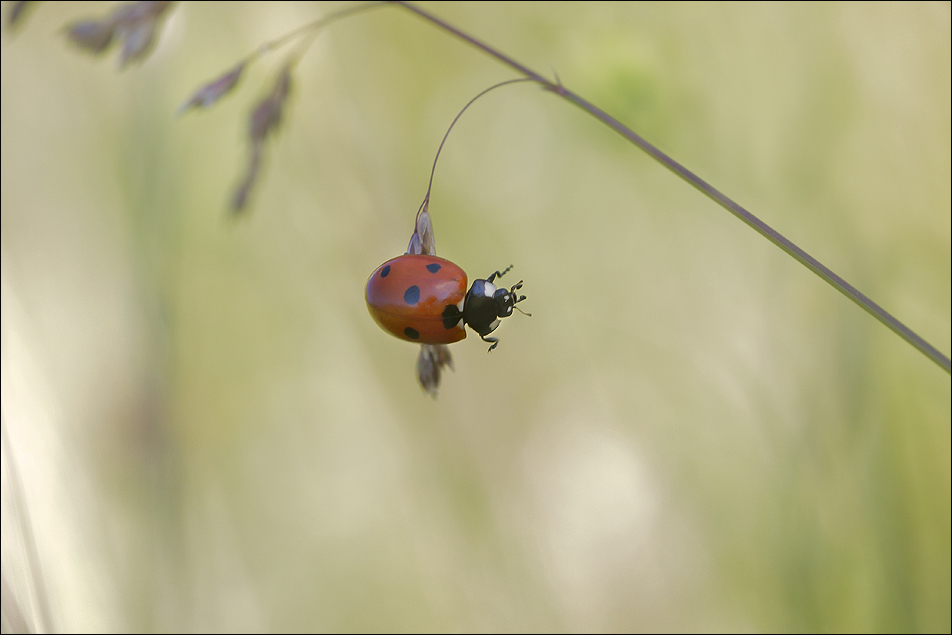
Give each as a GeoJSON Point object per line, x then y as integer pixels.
{"type": "Point", "coordinates": [691, 431]}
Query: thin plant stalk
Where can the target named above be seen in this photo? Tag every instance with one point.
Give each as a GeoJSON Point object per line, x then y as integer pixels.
{"type": "Point", "coordinates": [429, 187]}
{"type": "Point", "coordinates": [705, 188]}
{"type": "Point", "coordinates": [658, 155]}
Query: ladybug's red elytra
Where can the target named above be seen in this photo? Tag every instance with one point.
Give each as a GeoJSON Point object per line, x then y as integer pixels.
{"type": "Point", "coordinates": [423, 299]}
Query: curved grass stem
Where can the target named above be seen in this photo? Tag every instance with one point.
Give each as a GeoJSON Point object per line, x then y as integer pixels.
{"type": "Point", "coordinates": [312, 27]}
{"type": "Point", "coordinates": [705, 188]}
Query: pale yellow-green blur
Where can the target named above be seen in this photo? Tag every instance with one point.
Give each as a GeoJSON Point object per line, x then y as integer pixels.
{"type": "Point", "coordinates": [691, 431]}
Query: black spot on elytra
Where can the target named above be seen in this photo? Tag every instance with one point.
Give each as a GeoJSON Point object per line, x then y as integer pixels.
{"type": "Point", "coordinates": [385, 271]}
{"type": "Point", "coordinates": [451, 316]}
{"type": "Point", "coordinates": [433, 267]}
{"type": "Point", "coordinates": [412, 295]}
{"type": "Point", "coordinates": [411, 333]}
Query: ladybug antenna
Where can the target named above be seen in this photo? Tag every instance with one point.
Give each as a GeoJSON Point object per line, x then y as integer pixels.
{"type": "Point", "coordinates": [426, 199]}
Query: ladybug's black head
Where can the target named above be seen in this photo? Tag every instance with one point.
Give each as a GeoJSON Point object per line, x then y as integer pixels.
{"type": "Point", "coordinates": [485, 305]}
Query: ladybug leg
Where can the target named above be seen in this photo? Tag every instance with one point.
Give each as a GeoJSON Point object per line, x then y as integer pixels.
{"type": "Point", "coordinates": [499, 274]}
{"type": "Point", "coordinates": [517, 298]}
{"type": "Point", "coordinates": [491, 340]}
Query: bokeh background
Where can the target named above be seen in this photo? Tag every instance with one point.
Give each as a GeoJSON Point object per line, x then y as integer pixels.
{"type": "Point", "coordinates": [208, 432]}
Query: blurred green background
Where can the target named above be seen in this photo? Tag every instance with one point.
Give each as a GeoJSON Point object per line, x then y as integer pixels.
{"type": "Point", "coordinates": [691, 431]}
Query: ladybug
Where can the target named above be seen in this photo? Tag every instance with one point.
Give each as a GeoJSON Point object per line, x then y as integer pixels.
{"type": "Point", "coordinates": [423, 299]}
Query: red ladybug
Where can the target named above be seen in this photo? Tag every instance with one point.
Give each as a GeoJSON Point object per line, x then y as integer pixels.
{"type": "Point", "coordinates": [423, 299]}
